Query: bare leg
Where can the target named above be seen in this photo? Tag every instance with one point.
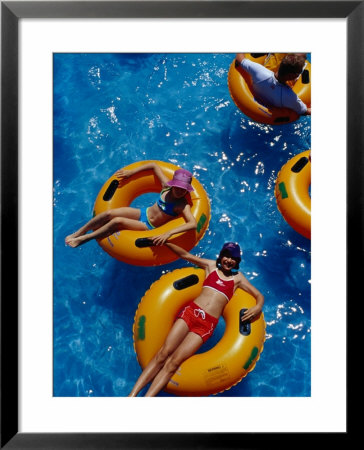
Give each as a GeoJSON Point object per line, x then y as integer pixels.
{"type": "Point", "coordinates": [96, 222]}
{"type": "Point", "coordinates": [178, 332]}
{"type": "Point", "coordinates": [186, 349]}
{"type": "Point", "coordinates": [105, 224]}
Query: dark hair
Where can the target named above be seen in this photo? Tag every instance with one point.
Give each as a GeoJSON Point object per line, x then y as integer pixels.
{"type": "Point", "coordinates": [291, 64]}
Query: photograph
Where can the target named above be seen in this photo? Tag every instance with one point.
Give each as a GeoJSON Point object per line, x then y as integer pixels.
{"type": "Point", "coordinates": [163, 162]}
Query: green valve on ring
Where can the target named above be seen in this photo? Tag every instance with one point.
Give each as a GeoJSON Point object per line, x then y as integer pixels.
{"type": "Point", "coordinates": [283, 190]}
{"type": "Point", "coordinates": [141, 328]}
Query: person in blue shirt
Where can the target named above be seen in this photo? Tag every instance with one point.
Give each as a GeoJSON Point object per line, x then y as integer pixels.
{"type": "Point", "coordinates": [272, 88]}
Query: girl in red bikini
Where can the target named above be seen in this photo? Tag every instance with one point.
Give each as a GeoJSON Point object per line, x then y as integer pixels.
{"type": "Point", "coordinates": [170, 204]}
{"type": "Point", "coordinates": [196, 322]}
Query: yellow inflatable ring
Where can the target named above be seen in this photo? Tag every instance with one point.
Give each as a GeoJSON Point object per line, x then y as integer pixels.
{"type": "Point", "coordinates": [292, 193]}
{"type": "Point", "coordinates": [216, 370]}
{"type": "Point", "coordinates": [131, 246]}
{"type": "Point", "coordinates": [240, 91]}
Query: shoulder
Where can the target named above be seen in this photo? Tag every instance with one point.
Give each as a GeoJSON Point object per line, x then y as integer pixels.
{"type": "Point", "coordinates": [293, 101]}
{"type": "Point", "coordinates": [182, 205]}
{"type": "Point", "coordinates": [210, 266]}
{"type": "Point", "coordinates": [165, 190]}
{"type": "Point", "coordinates": [290, 93]}
{"type": "Point", "coordinates": [242, 281]}
{"type": "Point", "coordinates": [239, 277]}
{"type": "Point", "coordinates": [246, 286]}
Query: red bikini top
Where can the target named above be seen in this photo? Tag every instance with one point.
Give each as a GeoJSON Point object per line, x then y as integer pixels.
{"type": "Point", "coordinates": [225, 287]}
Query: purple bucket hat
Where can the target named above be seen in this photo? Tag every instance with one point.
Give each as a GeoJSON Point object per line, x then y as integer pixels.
{"type": "Point", "coordinates": [233, 249]}
{"type": "Point", "coordinates": [181, 178]}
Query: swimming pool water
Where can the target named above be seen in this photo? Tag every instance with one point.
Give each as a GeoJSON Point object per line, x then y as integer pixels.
{"type": "Point", "coordinates": [113, 109]}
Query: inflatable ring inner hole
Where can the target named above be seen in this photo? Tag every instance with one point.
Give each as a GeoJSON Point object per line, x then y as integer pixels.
{"type": "Point", "coordinates": [147, 199]}
{"type": "Point", "coordinates": [215, 338]}
{"type": "Point", "coordinates": [144, 200]}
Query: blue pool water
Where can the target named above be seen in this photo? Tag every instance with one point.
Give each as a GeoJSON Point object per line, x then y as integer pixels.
{"type": "Point", "coordinates": [113, 109]}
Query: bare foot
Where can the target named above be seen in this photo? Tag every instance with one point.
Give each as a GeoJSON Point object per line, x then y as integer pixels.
{"type": "Point", "coordinates": [69, 237]}
{"type": "Point", "coordinates": [72, 242]}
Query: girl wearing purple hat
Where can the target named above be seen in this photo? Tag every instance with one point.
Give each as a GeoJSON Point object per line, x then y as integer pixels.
{"type": "Point", "coordinates": [196, 322]}
{"type": "Point", "coordinates": [170, 204]}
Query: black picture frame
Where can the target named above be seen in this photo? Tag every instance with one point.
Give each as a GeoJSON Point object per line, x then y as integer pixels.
{"type": "Point", "coordinates": [11, 12]}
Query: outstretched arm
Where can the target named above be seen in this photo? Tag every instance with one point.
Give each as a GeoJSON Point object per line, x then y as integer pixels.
{"type": "Point", "coordinates": [252, 312]}
{"type": "Point", "coordinates": [184, 254]}
{"type": "Point", "coordinates": [125, 173]}
{"type": "Point", "coordinates": [190, 224]}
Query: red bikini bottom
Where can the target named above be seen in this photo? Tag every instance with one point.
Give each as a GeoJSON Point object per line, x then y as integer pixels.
{"type": "Point", "coordinates": [198, 320]}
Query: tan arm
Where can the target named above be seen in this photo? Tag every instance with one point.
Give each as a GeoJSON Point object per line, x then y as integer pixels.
{"type": "Point", "coordinates": [124, 173]}
{"type": "Point", "coordinates": [184, 254]}
{"type": "Point", "coordinates": [252, 312]}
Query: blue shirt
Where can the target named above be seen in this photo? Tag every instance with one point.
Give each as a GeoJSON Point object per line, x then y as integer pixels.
{"type": "Point", "coordinates": [269, 91]}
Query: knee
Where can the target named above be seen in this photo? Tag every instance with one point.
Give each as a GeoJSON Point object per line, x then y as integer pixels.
{"type": "Point", "coordinates": [109, 215]}
{"type": "Point", "coordinates": [162, 355]}
{"type": "Point", "coordinates": [172, 364]}
{"type": "Point", "coordinates": [106, 216]}
{"type": "Point", "coordinates": [117, 223]}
